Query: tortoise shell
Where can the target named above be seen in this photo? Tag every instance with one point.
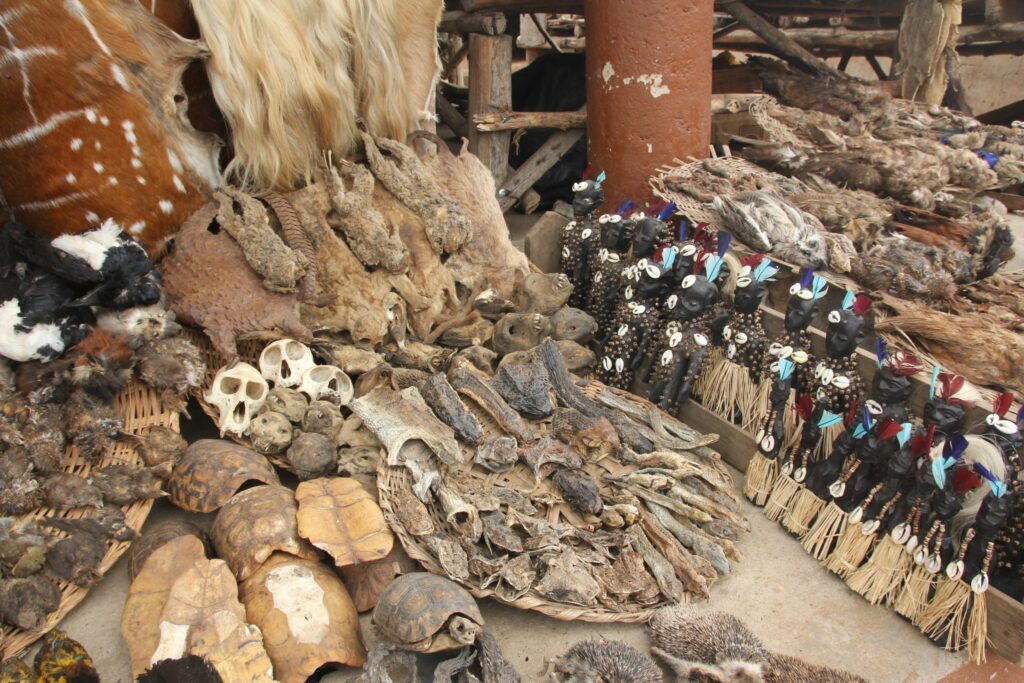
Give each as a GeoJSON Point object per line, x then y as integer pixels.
{"type": "Point", "coordinates": [156, 536]}
{"type": "Point", "coordinates": [341, 518]}
{"type": "Point", "coordinates": [211, 471]}
{"type": "Point", "coordinates": [416, 607]}
{"type": "Point", "coordinates": [254, 524]}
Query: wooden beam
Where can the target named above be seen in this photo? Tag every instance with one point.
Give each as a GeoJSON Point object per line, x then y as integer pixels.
{"type": "Point", "coordinates": [776, 38]}
{"type": "Point", "coordinates": [451, 117]}
{"type": "Point", "coordinates": [876, 66]}
{"type": "Point", "coordinates": [487, 23]}
{"type": "Point", "coordinates": [457, 59]}
{"type": "Point", "coordinates": [516, 120]}
{"type": "Point", "coordinates": [844, 61]}
{"type": "Point", "coordinates": [516, 185]}
{"type": "Point", "coordinates": [490, 90]}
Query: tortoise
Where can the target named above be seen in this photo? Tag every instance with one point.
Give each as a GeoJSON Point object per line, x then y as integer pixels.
{"type": "Point", "coordinates": [341, 518]}
{"type": "Point", "coordinates": [212, 471]}
{"type": "Point", "coordinates": [156, 536]}
{"type": "Point", "coordinates": [427, 613]}
{"type": "Point", "coordinates": [254, 524]}
{"type": "Point", "coordinates": [306, 616]}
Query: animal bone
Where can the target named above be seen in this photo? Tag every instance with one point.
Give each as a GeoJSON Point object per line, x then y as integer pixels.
{"type": "Point", "coordinates": [238, 393]}
{"type": "Point", "coordinates": [284, 362]}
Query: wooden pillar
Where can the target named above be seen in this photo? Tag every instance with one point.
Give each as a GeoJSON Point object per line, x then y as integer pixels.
{"type": "Point", "coordinates": [490, 90]}
{"type": "Point", "coordinates": [648, 89]}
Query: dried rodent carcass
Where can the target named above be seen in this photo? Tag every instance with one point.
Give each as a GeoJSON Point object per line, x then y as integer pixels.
{"type": "Point", "coordinates": [66, 491]}
{"type": "Point", "coordinates": [594, 437]}
{"type": "Point", "coordinates": [25, 603]}
{"type": "Point", "coordinates": [607, 661]}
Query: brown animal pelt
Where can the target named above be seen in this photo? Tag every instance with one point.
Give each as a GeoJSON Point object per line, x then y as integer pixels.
{"type": "Point", "coordinates": [973, 345]}
{"type": "Point", "coordinates": [292, 77]}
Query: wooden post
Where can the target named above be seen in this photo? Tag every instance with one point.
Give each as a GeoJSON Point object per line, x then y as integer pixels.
{"type": "Point", "coordinates": [490, 90]}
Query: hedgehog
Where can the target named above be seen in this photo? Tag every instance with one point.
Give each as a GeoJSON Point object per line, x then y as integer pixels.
{"type": "Point", "coordinates": [605, 661]}
{"type": "Point", "coordinates": [708, 646]}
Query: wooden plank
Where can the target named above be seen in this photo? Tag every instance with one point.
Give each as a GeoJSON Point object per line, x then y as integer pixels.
{"type": "Point", "coordinates": [490, 90]}
{"type": "Point", "coordinates": [516, 120]}
{"type": "Point", "coordinates": [451, 116]}
{"type": "Point", "coordinates": [1006, 626]}
{"type": "Point", "coordinates": [488, 23]}
{"type": "Point", "coordinates": [735, 445]}
{"type": "Point", "coordinates": [1005, 115]}
{"type": "Point", "coordinates": [536, 166]}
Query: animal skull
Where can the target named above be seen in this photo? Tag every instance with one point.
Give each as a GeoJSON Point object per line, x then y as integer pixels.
{"type": "Point", "coordinates": [328, 383]}
{"type": "Point", "coordinates": [284, 362]}
{"type": "Point", "coordinates": [238, 393]}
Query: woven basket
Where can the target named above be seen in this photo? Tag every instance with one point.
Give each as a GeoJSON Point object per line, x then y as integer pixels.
{"type": "Point", "coordinates": [140, 408]}
{"type": "Point", "coordinates": [520, 478]}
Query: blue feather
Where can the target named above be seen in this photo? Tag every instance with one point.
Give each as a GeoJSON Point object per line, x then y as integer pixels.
{"type": "Point", "coordinates": [939, 472]}
{"type": "Point", "coordinates": [785, 369]}
{"type": "Point", "coordinates": [998, 487]}
{"type": "Point", "coordinates": [934, 382]}
{"type": "Point", "coordinates": [669, 257]}
{"type": "Point", "coordinates": [684, 230]}
{"type": "Point", "coordinates": [713, 267]}
{"type": "Point", "coordinates": [906, 430]}
{"type": "Point", "coordinates": [829, 419]}
{"type": "Point", "coordinates": [806, 277]}
{"type": "Point", "coordinates": [600, 179]}
{"type": "Point", "coordinates": [880, 352]}
{"type": "Point", "coordinates": [724, 240]}
{"type": "Point", "coordinates": [625, 207]}
{"type": "Point", "coordinates": [667, 212]}
{"type": "Point", "coordinates": [955, 447]}
{"type": "Point", "coordinates": [819, 287]}
{"type": "Point", "coordinates": [848, 300]}
{"type": "Point", "coordinates": [766, 270]}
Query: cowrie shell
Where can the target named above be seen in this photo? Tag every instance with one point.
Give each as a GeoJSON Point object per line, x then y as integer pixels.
{"type": "Point", "coordinates": [794, 288]}
{"type": "Point", "coordinates": [688, 281]}
{"type": "Point", "coordinates": [565, 252]}
{"type": "Point", "coordinates": [834, 317]}
{"type": "Point", "coordinates": [841, 382]}
{"type": "Point", "coordinates": [806, 294]}
{"type": "Point", "coordinates": [616, 218]}
{"type": "Point", "coordinates": [741, 338]}
{"type": "Point", "coordinates": [837, 489]}
{"type": "Point", "coordinates": [955, 570]}
{"type": "Point", "coordinates": [767, 443]}
{"type": "Point", "coordinates": [760, 434]}
{"type": "Point", "coordinates": [688, 250]}
{"type": "Point", "coordinates": [730, 352]}
{"type": "Point", "coordinates": [827, 376]}
{"type": "Point", "coordinates": [800, 357]}
{"type": "Point", "coordinates": [619, 365]}
{"type": "Point", "coordinates": [979, 584]}
{"type": "Point", "coordinates": [700, 339]}
{"type": "Point", "coordinates": [653, 272]}
{"type": "Point", "coordinates": [587, 233]}
{"type": "Point", "coordinates": [819, 370]}
{"type": "Point", "coordinates": [606, 362]}
{"type": "Point", "coordinates": [675, 339]}
{"type": "Point", "coordinates": [629, 292]}
{"type": "Point", "coordinates": [901, 533]}
{"type": "Point", "coordinates": [856, 514]}
{"type": "Point", "coordinates": [869, 527]}
{"type": "Point", "coordinates": [623, 329]}
{"type": "Point", "coordinates": [598, 277]}
{"type": "Point", "coordinates": [873, 406]}
{"type": "Point", "coordinates": [666, 357]}
{"type": "Point", "coordinates": [639, 309]}
{"type": "Point", "coordinates": [920, 556]}
{"type": "Point", "coordinates": [787, 469]}
{"type": "Point", "coordinates": [912, 544]}
{"type": "Point", "coordinates": [934, 563]}
{"type": "Point", "coordinates": [800, 475]}
{"type": "Point", "coordinates": [775, 348]}
{"type": "Point", "coordinates": [727, 333]}
{"type": "Point", "coordinates": [672, 301]}
{"type": "Point", "coordinates": [604, 219]}
{"type": "Point", "coordinates": [743, 282]}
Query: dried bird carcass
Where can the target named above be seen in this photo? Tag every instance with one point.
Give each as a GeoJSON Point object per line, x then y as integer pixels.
{"type": "Point", "coordinates": [76, 559]}
{"type": "Point", "coordinates": [212, 471]}
{"type": "Point", "coordinates": [92, 426]}
{"type": "Point", "coordinates": [771, 225]}
{"type": "Point", "coordinates": [125, 484]}
{"type": "Point", "coordinates": [427, 613]}
{"type": "Point", "coordinates": [211, 286]}
{"type": "Point", "coordinates": [26, 603]}
{"type": "Point", "coordinates": [342, 519]}
{"type": "Point", "coordinates": [256, 523]}
{"type": "Point", "coordinates": [173, 367]}
{"type": "Point", "coordinates": [161, 448]}
{"type": "Point", "coordinates": [67, 491]}
{"type": "Point", "coordinates": [305, 615]}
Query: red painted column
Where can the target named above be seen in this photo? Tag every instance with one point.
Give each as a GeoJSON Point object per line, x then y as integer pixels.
{"type": "Point", "coordinates": [648, 88]}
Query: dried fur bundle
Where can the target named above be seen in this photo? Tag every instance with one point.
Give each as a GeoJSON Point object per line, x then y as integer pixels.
{"type": "Point", "coordinates": [293, 77]}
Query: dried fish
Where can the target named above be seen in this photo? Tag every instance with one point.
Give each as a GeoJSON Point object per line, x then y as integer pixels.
{"type": "Point", "coordinates": [699, 545]}
{"type": "Point", "coordinates": [500, 535]}
{"type": "Point", "coordinates": [465, 381]}
{"type": "Point", "coordinates": [497, 455]}
{"type": "Point", "coordinates": [445, 403]}
{"type": "Point", "coordinates": [525, 387]}
{"type": "Point", "coordinates": [547, 454]}
{"type": "Point", "coordinates": [579, 491]}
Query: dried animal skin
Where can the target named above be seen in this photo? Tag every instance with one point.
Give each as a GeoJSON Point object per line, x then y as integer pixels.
{"type": "Point", "coordinates": [579, 491]}
{"type": "Point", "coordinates": [341, 518]}
{"type": "Point", "coordinates": [22, 547]}
{"type": "Point", "coordinates": [353, 360]}
{"type": "Point", "coordinates": [568, 580]}
{"type": "Point", "coordinates": [697, 543]}
{"type": "Point", "coordinates": [445, 403]}
{"type": "Point", "coordinates": [594, 437]}
{"type": "Point", "coordinates": [362, 226]}
{"type": "Point", "coordinates": [384, 659]}
{"type": "Point", "coordinates": [279, 266]}
{"type": "Point", "coordinates": [412, 513]}
{"type": "Point", "coordinates": [578, 359]}
{"type": "Point", "coordinates": [516, 578]}
{"type": "Point", "coordinates": [107, 523]}
{"type": "Point", "coordinates": [65, 491]}
{"type": "Point", "coordinates": [499, 535]}
{"type": "Point", "coordinates": [444, 671]}
{"type": "Point", "coordinates": [405, 176]}
{"type": "Point", "coordinates": [209, 285]}
{"type": "Point", "coordinates": [626, 577]}
{"type": "Point", "coordinates": [125, 484]}
{"type": "Point", "coordinates": [497, 455]}
{"type": "Point", "coordinates": [470, 385]}
{"type": "Point", "coordinates": [450, 555]}
{"type": "Point", "coordinates": [487, 258]}
{"type": "Point", "coordinates": [514, 500]}
{"type": "Point", "coordinates": [609, 661]}
{"type": "Point", "coordinates": [398, 417]}
{"type": "Point", "coordinates": [493, 665]}
{"type": "Point", "coordinates": [547, 454]}
{"type": "Point", "coordinates": [525, 387]}
{"type": "Point", "coordinates": [462, 516]}
{"type": "Point", "coordinates": [305, 615]}
{"type": "Point", "coordinates": [355, 434]}
{"type": "Point", "coordinates": [487, 569]}
{"type": "Point", "coordinates": [25, 603]}
{"type": "Point", "coordinates": [682, 562]}
{"type": "Point", "coordinates": [474, 332]}
{"type": "Point", "coordinates": [661, 568]}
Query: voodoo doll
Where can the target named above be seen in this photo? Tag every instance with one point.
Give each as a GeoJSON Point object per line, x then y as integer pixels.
{"type": "Point", "coordinates": [682, 346]}
{"type": "Point", "coordinates": [580, 237]}
{"type": "Point", "coordinates": [606, 268]}
{"type": "Point", "coordinates": [1008, 435]}
{"type": "Point", "coordinates": [730, 386]}
{"type": "Point", "coordinates": [764, 465]}
{"type": "Point", "coordinates": [636, 321]}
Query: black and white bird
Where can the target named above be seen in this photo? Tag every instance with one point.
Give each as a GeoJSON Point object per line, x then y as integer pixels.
{"type": "Point", "coordinates": [37, 318]}
{"type": "Point", "coordinates": [106, 267]}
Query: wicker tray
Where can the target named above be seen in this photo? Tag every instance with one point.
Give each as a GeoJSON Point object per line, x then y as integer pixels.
{"type": "Point", "coordinates": [519, 478]}
{"type": "Point", "coordinates": [140, 408]}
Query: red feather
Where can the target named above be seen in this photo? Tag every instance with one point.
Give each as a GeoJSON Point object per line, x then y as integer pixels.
{"type": "Point", "coordinates": [852, 415]}
{"type": "Point", "coordinates": [804, 406]}
{"type": "Point", "coordinates": [753, 260]}
{"type": "Point", "coordinates": [904, 364]}
{"type": "Point", "coordinates": [965, 479]}
{"type": "Point", "coordinates": [888, 429]}
{"type": "Point", "coordinates": [586, 171]}
{"type": "Point", "coordinates": [1002, 404]}
{"type": "Point", "coordinates": [862, 305]}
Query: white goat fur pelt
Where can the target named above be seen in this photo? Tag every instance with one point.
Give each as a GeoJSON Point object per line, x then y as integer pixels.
{"type": "Point", "coordinates": [293, 77]}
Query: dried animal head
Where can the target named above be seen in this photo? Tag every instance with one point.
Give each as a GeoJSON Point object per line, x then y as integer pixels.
{"type": "Point", "coordinates": [271, 433]}
{"type": "Point", "coordinates": [287, 402]}
{"type": "Point", "coordinates": [543, 293]}
{"type": "Point", "coordinates": [572, 324]}
{"type": "Point", "coordinates": [520, 332]}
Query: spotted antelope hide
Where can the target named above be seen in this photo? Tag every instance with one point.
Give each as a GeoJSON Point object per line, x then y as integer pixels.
{"type": "Point", "coordinates": [93, 124]}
